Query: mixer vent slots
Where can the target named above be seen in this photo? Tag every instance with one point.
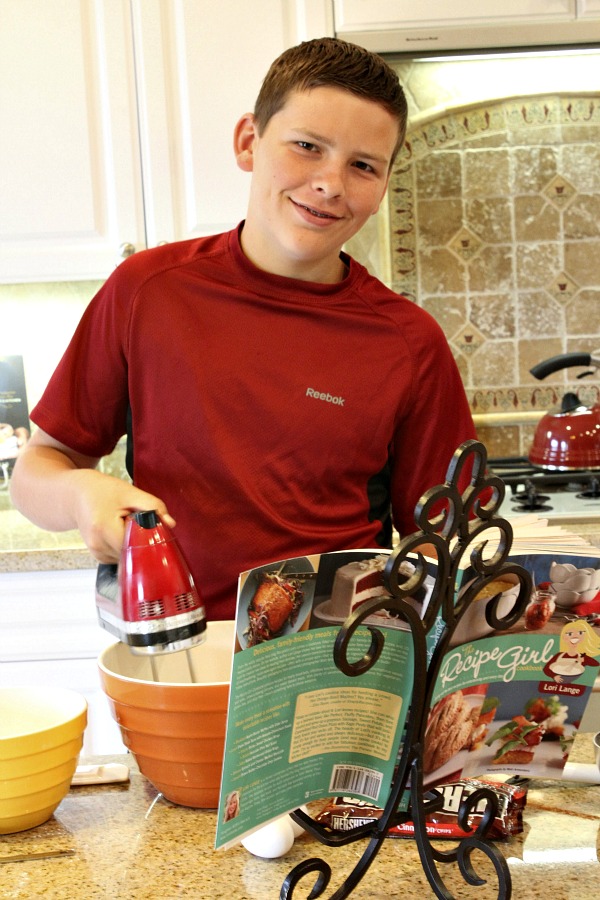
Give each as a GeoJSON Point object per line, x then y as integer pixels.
{"type": "Point", "coordinates": [185, 601]}
{"type": "Point", "coordinates": [151, 609]}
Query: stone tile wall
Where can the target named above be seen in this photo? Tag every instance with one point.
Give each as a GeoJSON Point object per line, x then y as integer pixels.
{"type": "Point", "coordinates": [494, 217]}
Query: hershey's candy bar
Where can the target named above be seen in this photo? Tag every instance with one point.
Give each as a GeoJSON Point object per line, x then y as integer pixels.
{"type": "Point", "coordinates": [345, 813]}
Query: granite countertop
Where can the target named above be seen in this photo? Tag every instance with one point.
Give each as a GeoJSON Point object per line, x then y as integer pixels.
{"type": "Point", "coordinates": [126, 842]}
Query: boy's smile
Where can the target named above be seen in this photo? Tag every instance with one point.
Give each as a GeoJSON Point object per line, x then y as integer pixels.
{"type": "Point", "coordinates": [319, 170]}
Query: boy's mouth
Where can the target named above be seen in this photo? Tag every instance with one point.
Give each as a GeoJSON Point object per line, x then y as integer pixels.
{"type": "Point", "coordinates": [315, 212]}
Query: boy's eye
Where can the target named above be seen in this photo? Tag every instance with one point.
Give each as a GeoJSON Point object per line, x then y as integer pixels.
{"type": "Point", "coordinates": [306, 145]}
{"type": "Point", "coordinates": [363, 166]}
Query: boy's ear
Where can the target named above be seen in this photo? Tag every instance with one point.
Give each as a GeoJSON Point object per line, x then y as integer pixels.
{"type": "Point", "coordinates": [243, 142]}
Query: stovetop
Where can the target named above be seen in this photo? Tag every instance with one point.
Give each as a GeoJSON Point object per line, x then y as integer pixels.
{"type": "Point", "coordinates": [557, 496]}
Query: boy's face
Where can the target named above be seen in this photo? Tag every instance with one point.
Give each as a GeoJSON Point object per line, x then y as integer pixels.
{"type": "Point", "coordinates": [319, 170]}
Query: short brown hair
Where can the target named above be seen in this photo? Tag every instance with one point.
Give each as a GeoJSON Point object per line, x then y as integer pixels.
{"type": "Point", "coordinates": [330, 62]}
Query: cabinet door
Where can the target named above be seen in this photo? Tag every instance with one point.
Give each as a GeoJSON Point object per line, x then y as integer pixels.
{"type": "Point", "coordinates": [588, 8]}
{"type": "Point", "coordinates": [199, 67]}
{"type": "Point", "coordinates": [364, 14]}
{"type": "Point", "coordinates": [397, 26]}
{"type": "Point", "coordinates": [70, 189]}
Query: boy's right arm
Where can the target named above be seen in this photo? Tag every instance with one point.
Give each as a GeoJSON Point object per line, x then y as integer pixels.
{"type": "Point", "coordinates": [59, 489]}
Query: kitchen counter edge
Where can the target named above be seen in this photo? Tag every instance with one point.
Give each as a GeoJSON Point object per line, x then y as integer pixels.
{"type": "Point", "coordinates": [55, 560]}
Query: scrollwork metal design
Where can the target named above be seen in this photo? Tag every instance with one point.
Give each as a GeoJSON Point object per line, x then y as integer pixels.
{"type": "Point", "coordinates": [456, 524]}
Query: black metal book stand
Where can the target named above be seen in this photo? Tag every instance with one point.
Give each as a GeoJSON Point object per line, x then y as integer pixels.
{"type": "Point", "coordinates": [458, 526]}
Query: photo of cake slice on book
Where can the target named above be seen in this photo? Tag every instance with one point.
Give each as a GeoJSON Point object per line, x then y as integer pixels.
{"type": "Point", "coordinates": [362, 580]}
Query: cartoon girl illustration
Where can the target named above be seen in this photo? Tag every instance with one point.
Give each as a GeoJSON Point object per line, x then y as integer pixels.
{"type": "Point", "coordinates": [578, 646]}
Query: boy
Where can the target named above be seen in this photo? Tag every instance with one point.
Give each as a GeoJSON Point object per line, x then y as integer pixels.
{"type": "Point", "coordinates": [282, 400]}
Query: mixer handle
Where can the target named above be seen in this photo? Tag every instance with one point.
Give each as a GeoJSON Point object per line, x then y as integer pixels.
{"type": "Point", "coordinates": [563, 361]}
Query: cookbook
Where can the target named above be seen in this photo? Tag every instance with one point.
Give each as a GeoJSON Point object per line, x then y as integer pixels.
{"type": "Point", "coordinates": [299, 729]}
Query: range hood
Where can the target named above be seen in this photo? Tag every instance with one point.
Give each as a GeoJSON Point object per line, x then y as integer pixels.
{"type": "Point", "coordinates": [402, 27]}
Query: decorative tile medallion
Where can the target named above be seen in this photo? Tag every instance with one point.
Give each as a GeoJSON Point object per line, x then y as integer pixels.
{"type": "Point", "coordinates": [465, 244]}
{"type": "Point", "coordinates": [562, 288]}
{"type": "Point", "coordinates": [469, 340]}
{"type": "Point", "coordinates": [559, 191]}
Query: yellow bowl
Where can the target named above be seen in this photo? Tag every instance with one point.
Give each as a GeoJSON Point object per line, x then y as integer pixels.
{"type": "Point", "coordinates": [41, 734]}
{"type": "Point", "coordinates": [39, 762]}
{"type": "Point", "coordinates": [27, 785]}
{"type": "Point", "coordinates": [31, 810]}
{"type": "Point", "coordinates": [172, 712]}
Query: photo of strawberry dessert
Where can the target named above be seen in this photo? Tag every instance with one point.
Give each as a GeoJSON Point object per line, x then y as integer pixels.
{"type": "Point", "coordinates": [549, 711]}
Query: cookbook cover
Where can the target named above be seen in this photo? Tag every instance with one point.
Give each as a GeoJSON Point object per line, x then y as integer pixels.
{"type": "Point", "coordinates": [511, 701]}
{"type": "Point", "coordinates": [299, 729]}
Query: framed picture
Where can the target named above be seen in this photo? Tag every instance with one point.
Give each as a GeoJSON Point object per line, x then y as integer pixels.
{"type": "Point", "coordinates": [15, 428]}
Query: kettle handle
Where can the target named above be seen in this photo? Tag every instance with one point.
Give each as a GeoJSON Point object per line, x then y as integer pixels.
{"type": "Point", "coordinates": [562, 361]}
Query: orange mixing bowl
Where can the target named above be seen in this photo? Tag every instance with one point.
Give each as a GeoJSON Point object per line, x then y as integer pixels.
{"type": "Point", "coordinates": [172, 712]}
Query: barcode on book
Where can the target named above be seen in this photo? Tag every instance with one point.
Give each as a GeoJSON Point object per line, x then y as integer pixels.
{"type": "Point", "coordinates": [356, 780]}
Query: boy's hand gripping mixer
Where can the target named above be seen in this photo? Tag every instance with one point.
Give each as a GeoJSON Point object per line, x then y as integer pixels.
{"type": "Point", "coordinates": [149, 601]}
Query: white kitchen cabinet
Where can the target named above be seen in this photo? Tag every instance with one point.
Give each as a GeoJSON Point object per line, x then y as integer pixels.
{"type": "Point", "coordinates": [587, 8]}
{"type": "Point", "coordinates": [400, 26]}
{"type": "Point", "coordinates": [117, 120]}
{"type": "Point", "coordinates": [361, 14]}
{"type": "Point", "coordinates": [69, 163]}
{"type": "Point", "coordinates": [199, 66]}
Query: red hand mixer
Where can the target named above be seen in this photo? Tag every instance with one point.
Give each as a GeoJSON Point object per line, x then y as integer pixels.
{"type": "Point", "coordinates": [149, 601]}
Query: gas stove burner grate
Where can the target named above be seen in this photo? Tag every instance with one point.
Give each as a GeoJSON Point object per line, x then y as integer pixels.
{"type": "Point", "coordinates": [530, 500]}
{"type": "Point", "coordinates": [592, 492]}
{"type": "Point", "coordinates": [531, 489]}
{"type": "Point", "coordinates": [518, 470]}
{"type": "Point", "coordinates": [535, 507]}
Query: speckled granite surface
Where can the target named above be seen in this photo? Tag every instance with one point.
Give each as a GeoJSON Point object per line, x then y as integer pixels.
{"type": "Point", "coordinates": [56, 560]}
{"type": "Point", "coordinates": [128, 843]}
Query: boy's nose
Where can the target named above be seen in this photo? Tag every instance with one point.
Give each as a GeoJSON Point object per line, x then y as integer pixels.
{"type": "Point", "coordinates": [329, 181]}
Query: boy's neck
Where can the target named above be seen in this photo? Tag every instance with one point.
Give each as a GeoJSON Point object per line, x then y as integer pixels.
{"type": "Point", "coordinates": [326, 271]}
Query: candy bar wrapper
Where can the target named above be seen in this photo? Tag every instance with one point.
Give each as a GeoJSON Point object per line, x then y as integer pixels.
{"type": "Point", "coordinates": [345, 813]}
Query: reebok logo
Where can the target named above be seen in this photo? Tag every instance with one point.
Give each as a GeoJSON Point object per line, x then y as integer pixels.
{"type": "Point", "coordinates": [328, 398]}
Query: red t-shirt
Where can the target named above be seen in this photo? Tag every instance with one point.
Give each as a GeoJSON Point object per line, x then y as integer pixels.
{"type": "Point", "coordinates": [275, 417]}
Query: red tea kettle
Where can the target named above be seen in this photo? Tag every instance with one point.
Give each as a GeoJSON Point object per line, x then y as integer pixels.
{"type": "Point", "coordinates": [567, 437]}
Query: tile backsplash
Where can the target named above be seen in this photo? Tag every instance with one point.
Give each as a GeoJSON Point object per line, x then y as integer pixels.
{"type": "Point", "coordinates": [494, 232]}
{"type": "Point", "coordinates": [493, 225]}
